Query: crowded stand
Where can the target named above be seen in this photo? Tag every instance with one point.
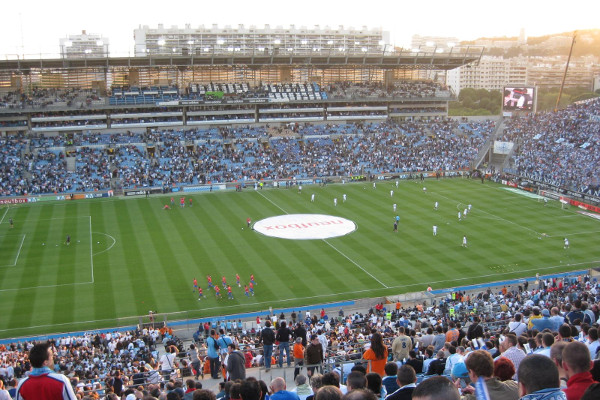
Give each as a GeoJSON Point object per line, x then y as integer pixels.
{"type": "Point", "coordinates": [550, 143]}
{"type": "Point", "coordinates": [51, 98]}
{"type": "Point", "coordinates": [507, 327]}
{"type": "Point", "coordinates": [228, 154]}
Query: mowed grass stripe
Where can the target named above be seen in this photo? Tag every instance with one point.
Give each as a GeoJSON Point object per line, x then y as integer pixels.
{"type": "Point", "coordinates": [133, 282]}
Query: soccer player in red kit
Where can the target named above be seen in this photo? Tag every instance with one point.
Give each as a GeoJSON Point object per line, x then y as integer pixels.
{"type": "Point", "coordinates": [237, 280]}
{"type": "Point", "coordinates": [195, 284]}
{"type": "Point", "coordinates": [229, 292]}
{"type": "Point", "coordinates": [246, 291]}
{"type": "Point", "coordinates": [182, 202]}
{"type": "Point", "coordinates": [252, 280]}
{"type": "Point", "coordinates": [209, 279]}
{"type": "Point", "coordinates": [224, 280]}
{"type": "Point", "coordinates": [252, 288]}
{"type": "Point", "coordinates": [200, 294]}
{"type": "Point", "coordinates": [217, 292]}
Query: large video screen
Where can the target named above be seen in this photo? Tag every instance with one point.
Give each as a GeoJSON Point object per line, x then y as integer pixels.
{"type": "Point", "coordinates": [518, 99]}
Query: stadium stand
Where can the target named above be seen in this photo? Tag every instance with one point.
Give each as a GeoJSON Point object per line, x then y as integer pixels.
{"type": "Point", "coordinates": [92, 360]}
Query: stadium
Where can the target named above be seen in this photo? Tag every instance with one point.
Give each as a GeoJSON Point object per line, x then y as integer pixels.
{"type": "Point", "coordinates": [328, 181]}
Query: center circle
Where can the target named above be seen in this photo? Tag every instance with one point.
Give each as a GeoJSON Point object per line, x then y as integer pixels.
{"type": "Point", "coordinates": [304, 226]}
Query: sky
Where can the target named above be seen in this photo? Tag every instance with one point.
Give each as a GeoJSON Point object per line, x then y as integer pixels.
{"type": "Point", "coordinates": [35, 27]}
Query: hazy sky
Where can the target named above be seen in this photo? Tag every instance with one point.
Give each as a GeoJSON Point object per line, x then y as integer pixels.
{"type": "Point", "coordinates": [33, 27]}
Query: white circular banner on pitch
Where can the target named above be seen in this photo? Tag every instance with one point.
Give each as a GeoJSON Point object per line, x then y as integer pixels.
{"type": "Point", "coordinates": [305, 226]}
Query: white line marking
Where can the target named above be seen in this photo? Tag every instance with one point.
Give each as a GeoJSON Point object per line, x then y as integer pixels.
{"type": "Point", "coordinates": [109, 247]}
{"type": "Point", "coordinates": [19, 252]}
{"type": "Point", "coordinates": [91, 250]}
{"type": "Point", "coordinates": [353, 262]}
{"type": "Point", "coordinates": [333, 247]}
{"type": "Point", "coordinates": [5, 212]}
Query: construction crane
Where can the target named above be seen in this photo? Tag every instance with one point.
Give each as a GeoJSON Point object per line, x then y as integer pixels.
{"type": "Point", "coordinates": [562, 84]}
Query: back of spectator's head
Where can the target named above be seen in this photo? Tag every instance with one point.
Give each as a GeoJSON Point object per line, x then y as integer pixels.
{"type": "Point", "coordinates": [264, 390]}
{"type": "Point", "coordinates": [518, 317]}
{"type": "Point", "coordinates": [593, 334]}
{"type": "Point", "coordinates": [556, 352]}
{"type": "Point", "coordinates": [300, 379]}
{"type": "Point", "coordinates": [504, 368]}
{"type": "Point", "coordinates": [39, 354]}
{"type": "Point", "coordinates": [359, 368]}
{"type": "Point", "coordinates": [170, 396]}
{"type": "Point", "coordinates": [329, 393]}
{"type": "Point", "coordinates": [360, 394]}
{"type": "Point", "coordinates": [547, 339]}
{"type": "Point", "coordinates": [190, 383]}
{"type": "Point", "coordinates": [204, 394]}
{"type": "Point", "coordinates": [250, 390]}
{"type": "Point", "coordinates": [537, 372]}
{"type": "Point", "coordinates": [436, 388]}
{"type": "Point", "coordinates": [316, 382]}
{"type": "Point", "coordinates": [330, 379]}
{"type": "Point", "coordinates": [391, 369]}
{"type": "Point", "coordinates": [406, 375]}
{"type": "Point", "coordinates": [374, 382]}
{"type": "Point", "coordinates": [356, 380]}
{"type": "Point", "coordinates": [576, 358]}
{"type": "Point", "coordinates": [564, 331]}
{"type": "Point", "coordinates": [235, 391]}
{"type": "Point", "coordinates": [481, 363]}
{"type": "Point", "coordinates": [277, 385]}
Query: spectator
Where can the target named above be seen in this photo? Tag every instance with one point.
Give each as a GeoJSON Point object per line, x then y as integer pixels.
{"type": "Point", "coordinates": [302, 389]}
{"type": "Point", "coordinates": [577, 364]}
{"type": "Point", "coordinates": [436, 388]}
{"type": "Point", "coordinates": [42, 379]}
{"type": "Point", "coordinates": [279, 392]}
{"type": "Point", "coordinates": [313, 356]}
{"type": "Point", "coordinates": [390, 379]}
{"type": "Point", "coordinates": [377, 354]}
{"type": "Point", "coordinates": [236, 363]}
{"type": "Point", "coordinates": [406, 380]}
{"type": "Point", "coordinates": [329, 393]}
{"type": "Point", "coordinates": [356, 380]}
{"type": "Point", "coordinates": [510, 350]}
{"type": "Point", "coordinates": [481, 365]}
{"type": "Point", "coordinates": [267, 338]}
{"type": "Point", "coordinates": [538, 379]}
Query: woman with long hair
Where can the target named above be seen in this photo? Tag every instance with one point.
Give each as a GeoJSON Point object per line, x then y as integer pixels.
{"type": "Point", "coordinates": [377, 354]}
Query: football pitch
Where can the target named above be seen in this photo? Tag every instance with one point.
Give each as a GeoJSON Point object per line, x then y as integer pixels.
{"type": "Point", "coordinates": [128, 255]}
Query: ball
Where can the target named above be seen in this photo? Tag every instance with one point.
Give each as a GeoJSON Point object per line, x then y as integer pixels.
{"type": "Point", "coordinates": [242, 228]}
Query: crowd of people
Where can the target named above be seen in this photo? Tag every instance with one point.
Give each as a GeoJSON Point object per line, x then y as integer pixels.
{"type": "Point", "coordinates": [168, 157]}
{"type": "Point", "coordinates": [519, 342]}
{"type": "Point", "coordinates": [551, 144]}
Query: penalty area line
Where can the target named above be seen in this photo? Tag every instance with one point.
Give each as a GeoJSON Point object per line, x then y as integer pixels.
{"type": "Point", "coordinates": [271, 201]}
{"type": "Point", "coordinates": [19, 252]}
{"type": "Point", "coordinates": [5, 212]}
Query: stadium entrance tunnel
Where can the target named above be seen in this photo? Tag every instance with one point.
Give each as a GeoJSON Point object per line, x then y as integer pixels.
{"type": "Point", "coordinates": [304, 226]}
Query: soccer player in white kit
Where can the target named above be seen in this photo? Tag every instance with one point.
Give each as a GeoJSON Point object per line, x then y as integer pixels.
{"type": "Point", "coordinates": [435, 206]}
{"type": "Point", "coordinates": [374, 186]}
{"type": "Point", "coordinates": [465, 213]}
{"type": "Point", "coordinates": [566, 243]}
{"type": "Point", "coordinates": [335, 201]}
{"type": "Point", "coordinates": [397, 183]}
{"type": "Point", "coordinates": [312, 198]}
{"type": "Point", "coordinates": [435, 230]}
{"type": "Point", "coordinates": [469, 207]}
{"type": "Point", "coordinates": [391, 193]}
{"type": "Point", "coordinates": [344, 198]}
{"type": "Point", "coordinates": [464, 244]}
{"type": "Point", "coordinates": [394, 207]}
{"type": "Point", "coordinates": [459, 215]}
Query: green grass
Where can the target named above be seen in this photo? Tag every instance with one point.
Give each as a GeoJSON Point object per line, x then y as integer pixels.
{"type": "Point", "coordinates": [128, 256]}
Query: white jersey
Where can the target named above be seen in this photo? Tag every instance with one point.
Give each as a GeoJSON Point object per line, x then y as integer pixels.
{"type": "Point", "coordinates": [394, 207]}
{"type": "Point", "coordinates": [464, 241]}
{"type": "Point", "coordinates": [374, 186]}
{"type": "Point", "coordinates": [344, 197]}
{"type": "Point", "coordinates": [312, 198]}
{"type": "Point", "coordinates": [335, 202]}
{"type": "Point", "coordinates": [397, 183]}
{"type": "Point", "coordinates": [435, 206]}
{"type": "Point", "coordinates": [391, 193]}
{"type": "Point", "coordinates": [465, 213]}
{"type": "Point", "coordinates": [566, 243]}
{"type": "Point", "coordinates": [435, 230]}
{"type": "Point", "coordinates": [459, 215]}
{"type": "Point", "coordinates": [469, 207]}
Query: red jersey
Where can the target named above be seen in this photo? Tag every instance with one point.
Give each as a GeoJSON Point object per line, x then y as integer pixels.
{"type": "Point", "coordinates": [251, 285]}
{"type": "Point", "coordinates": [182, 200]}
{"type": "Point", "coordinates": [200, 291]}
{"type": "Point", "coordinates": [195, 282]}
{"type": "Point", "coordinates": [217, 290]}
{"type": "Point", "coordinates": [224, 280]}
{"type": "Point", "coordinates": [228, 289]}
{"type": "Point", "coordinates": [209, 278]}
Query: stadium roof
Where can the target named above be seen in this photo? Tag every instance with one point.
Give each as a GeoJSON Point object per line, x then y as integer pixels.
{"type": "Point", "coordinates": [395, 60]}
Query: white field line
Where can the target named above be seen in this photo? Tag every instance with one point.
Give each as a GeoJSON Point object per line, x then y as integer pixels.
{"type": "Point", "coordinates": [335, 248]}
{"type": "Point", "coordinates": [19, 252]}
{"type": "Point", "coordinates": [109, 247]}
{"type": "Point", "coordinates": [5, 212]}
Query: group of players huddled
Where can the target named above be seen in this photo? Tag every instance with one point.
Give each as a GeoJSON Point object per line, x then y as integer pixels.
{"type": "Point", "coordinates": [248, 288]}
